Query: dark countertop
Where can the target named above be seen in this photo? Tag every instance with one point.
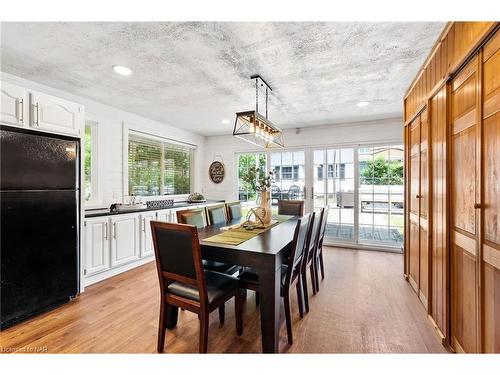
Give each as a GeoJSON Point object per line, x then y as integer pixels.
{"type": "Point", "coordinates": [106, 211]}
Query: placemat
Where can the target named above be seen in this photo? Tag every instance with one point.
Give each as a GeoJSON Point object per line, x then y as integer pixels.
{"type": "Point", "coordinates": [237, 236]}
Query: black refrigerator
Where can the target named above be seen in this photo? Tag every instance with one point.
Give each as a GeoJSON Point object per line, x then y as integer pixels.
{"type": "Point", "coordinates": [39, 229]}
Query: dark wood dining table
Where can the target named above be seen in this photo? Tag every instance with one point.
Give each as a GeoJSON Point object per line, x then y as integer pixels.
{"type": "Point", "coordinates": [266, 253]}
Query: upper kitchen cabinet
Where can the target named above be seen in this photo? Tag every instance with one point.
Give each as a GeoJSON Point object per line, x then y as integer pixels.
{"type": "Point", "coordinates": [14, 105]}
{"type": "Point", "coordinates": [54, 114]}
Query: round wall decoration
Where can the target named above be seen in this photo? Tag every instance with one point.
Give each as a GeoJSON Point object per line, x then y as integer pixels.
{"type": "Point", "coordinates": [216, 171]}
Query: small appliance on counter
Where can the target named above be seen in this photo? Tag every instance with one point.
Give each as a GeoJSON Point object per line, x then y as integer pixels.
{"type": "Point", "coordinates": [121, 207]}
{"type": "Point", "coordinates": [196, 198]}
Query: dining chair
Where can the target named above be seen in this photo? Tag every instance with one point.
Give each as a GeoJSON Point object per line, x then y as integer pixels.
{"type": "Point", "coordinates": [319, 248]}
{"type": "Point", "coordinates": [290, 274]}
{"type": "Point", "coordinates": [216, 214]}
{"type": "Point", "coordinates": [290, 207]}
{"type": "Point", "coordinates": [309, 256]}
{"type": "Point", "coordinates": [185, 284]}
{"type": "Point", "coordinates": [193, 216]}
{"type": "Point", "coordinates": [198, 218]}
{"type": "Point", "coordinates": [234, 210]}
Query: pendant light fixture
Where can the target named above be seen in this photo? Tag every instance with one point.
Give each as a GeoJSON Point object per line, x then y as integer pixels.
{"type": "Point", "coordinates": [252, 127]}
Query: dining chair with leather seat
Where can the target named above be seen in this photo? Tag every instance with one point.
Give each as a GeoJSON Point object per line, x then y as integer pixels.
{"type": "Point", "coordinates": [198, 218]}
{"type": "Point", "coordinates": [234, 210]}
{"type": "Point", "coordinates": [290, 207]}
{"type": "Point", "coordinates": [290, 274]}
{"type": "Point", "coordinates": [216, 214]}
{"type": "Point", "coordinates": [186, 284]}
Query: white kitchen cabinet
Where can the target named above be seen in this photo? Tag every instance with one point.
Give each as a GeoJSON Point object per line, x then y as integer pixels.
{"type": "Point", "coordinates": [53, 114]}
{"type": "Point", "coordinates": [146, 236]}
{"type": "Point", "coordinates": [124, 239]}
{"type": "Point", "coordinates": [164, 215]}
{"type": "Point", "coordinates": [14, 105]}
{"type": "Point", "coordinates": [96, 245]}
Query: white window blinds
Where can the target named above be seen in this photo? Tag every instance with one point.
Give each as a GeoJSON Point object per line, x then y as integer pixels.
{"type": "Point", "coordinates": [157, 167]}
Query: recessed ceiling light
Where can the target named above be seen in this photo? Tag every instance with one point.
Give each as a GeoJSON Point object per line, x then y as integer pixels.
{"type": "Point", "coordinates": [363, 104]}
{"type": "Point", "coordinates": [123, 70]}
{"type": "Point", "coordinates": [225, 122]}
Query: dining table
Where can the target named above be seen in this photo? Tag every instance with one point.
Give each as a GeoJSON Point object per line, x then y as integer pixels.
{"type": "Point", "coordinates": [266, 253]}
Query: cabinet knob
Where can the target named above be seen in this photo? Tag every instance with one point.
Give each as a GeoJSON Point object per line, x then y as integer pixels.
{"type": "Point", "coordinates": [477, 205]}
{"type": "Point", "coordinates": [418, 196]}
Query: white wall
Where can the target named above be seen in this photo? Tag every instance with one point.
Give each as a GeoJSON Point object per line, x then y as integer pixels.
{"type": "Point", "coordinates": [372, 132]}
{"type": "Point", "coordinates": [110, 138]}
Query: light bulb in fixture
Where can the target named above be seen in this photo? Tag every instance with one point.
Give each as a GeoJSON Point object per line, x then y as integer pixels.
{"type": "Point", "coordinates": [122, 70]}
{"type": "Point", "coordinates": [363, 104]}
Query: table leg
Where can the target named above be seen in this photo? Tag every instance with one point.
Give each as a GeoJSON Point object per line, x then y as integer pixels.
{"type": "Point", "coordinates": [171, 316]}
{"type": "Point", "coordinates": [269, 288]}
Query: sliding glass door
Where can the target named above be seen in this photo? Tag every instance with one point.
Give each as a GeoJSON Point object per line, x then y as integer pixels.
{"type": "Point", "coordinates": [360, 186]}
{"type": "Point", "coordinates": [333, 187]}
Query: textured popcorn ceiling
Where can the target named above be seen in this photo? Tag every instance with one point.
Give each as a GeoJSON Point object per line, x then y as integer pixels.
{"type": "Point", "coordinates": [194, 75]}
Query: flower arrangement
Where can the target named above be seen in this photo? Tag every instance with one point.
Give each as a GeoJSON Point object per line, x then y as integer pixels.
{"type": "Point", "coordinates": [258, 179]}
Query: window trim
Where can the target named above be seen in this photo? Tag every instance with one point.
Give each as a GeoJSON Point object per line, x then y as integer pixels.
{"type": "Point", "coordinates": [126, 131]}
{"type": "Point", "coordinates": [95, 166]}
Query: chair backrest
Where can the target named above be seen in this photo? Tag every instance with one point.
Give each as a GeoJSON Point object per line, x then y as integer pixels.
{"type": "Point", "coordinates": [178, 256]}
{"type": "Point", "coordinates": [321, 230]}
{"type": "Point", "coordinates": [234, 210]}
{"type": "Point", "coordinates": [289, 207]}
{"type": "Point", "coordinates": [309, 246]}
{"type": "Point", "coordinates": [216, 214]}
{"type": "Point", "coordinates": [293, 192]}
{"type": "Point", "coordinates": [195, 216]}
{"type": "Point", "coordinates": [298, 246]}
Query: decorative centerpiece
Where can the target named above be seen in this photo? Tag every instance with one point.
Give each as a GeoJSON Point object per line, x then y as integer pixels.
{"type": "Point", "coordinates": [260, 182]}
{"type": "Point", "coordinates": [196, 198]}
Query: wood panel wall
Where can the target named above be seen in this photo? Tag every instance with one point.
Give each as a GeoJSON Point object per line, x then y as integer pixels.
{"type": "Point", "coordinates": [458, 88]}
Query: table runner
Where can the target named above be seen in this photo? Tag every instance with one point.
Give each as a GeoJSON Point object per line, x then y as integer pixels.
{"type": "Point", "coordinates": [237, 236]}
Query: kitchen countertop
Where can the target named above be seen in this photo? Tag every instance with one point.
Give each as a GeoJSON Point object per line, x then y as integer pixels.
{"type": "Point", "coordinates": [106, 211]}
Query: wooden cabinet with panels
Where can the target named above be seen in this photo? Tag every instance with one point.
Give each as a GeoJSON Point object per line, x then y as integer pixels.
{"type": "Point", "coordinates": [418, 206]}
{"type": "Point", "coordinates": [465, 159]}
{"type": "Point", "coordinates": [14, 105]}
{"type": "Point", "coordinates": [490, 201]}
{"type": "Point", "coordinates": [459, 86]}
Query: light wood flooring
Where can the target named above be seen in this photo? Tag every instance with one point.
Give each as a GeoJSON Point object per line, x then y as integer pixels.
{"type": "Point", "coordinates": [364, 306]}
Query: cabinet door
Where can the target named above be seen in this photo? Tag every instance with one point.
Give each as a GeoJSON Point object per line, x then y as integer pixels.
{"type": "Point", "coordinates": [424, 210]}
{"type": "Point", "coordinates": [54, 114]}
{"type": "Point", "coordinates": [491, 198]}
{"type": "Point", "coordinates": [414, 201]}
{"type": "Point", "coordinates": [14, 104]}
{"type": "Point", "coordinates": [146, 236]}
{"type": "Point", "coordinates": [164, 215]}
{"type": "Point", "coordinates": [125, 239]}
{"type": "Point", "coordinates": [96, 245]}
{"type": "Point", "coordinates": [465, 166]}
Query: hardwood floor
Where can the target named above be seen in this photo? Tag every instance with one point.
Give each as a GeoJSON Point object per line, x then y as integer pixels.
{"type": "Point", "coordinates": [364, 306]}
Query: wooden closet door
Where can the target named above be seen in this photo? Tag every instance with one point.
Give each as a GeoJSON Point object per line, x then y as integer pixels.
{"type": "Point", "coordinates": [464, 217]}
{"type": "Point", "coordinates": [414, 202]}
{"type": "Point", "coordinates": [491, 196]}
{"type": "Point", "coordinates": [423, 233]}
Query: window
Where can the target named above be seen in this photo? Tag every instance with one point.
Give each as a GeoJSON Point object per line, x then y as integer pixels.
{"type": "Point", "coordinates": [157, 167]}
{"type": "Point", "coordinates": [319, 176]}
{"type": "Point", "coordinates": [286, 173]}
{"type": "Point", "coordinates": [90, 164]}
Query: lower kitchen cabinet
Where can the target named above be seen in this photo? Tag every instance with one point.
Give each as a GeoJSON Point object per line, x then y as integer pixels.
{"type": "Point", "coordinates": [146, 237]}
{"type": "Point", "coordinates": [124, 239]}
{"type": "Point", "coordinates": [97, 257]}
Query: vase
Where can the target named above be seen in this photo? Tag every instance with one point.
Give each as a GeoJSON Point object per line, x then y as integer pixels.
{"type": "Point", "coordinates": [265, 207]}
